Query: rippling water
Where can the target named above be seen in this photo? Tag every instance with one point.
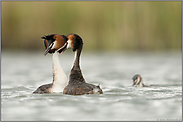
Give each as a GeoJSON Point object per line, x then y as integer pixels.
{"type": "Point", "coordinates": [22, 73]}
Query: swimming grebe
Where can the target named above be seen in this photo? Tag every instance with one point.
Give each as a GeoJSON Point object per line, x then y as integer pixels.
{"type": "Point", "coordinates": [137, 81]}
{"type": "Point", "coordinates": [52, 43]}
{"type": "Point", "coordinates": [77, 84]}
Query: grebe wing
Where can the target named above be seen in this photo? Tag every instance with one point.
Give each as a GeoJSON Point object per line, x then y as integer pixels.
{"type": "Point", "coordinates": [82, 89]}
{"type": "Point", "coordinates": [43, 89]}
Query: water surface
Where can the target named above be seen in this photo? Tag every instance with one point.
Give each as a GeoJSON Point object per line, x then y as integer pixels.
{"type": "Point", "coordinates": [22, 73]}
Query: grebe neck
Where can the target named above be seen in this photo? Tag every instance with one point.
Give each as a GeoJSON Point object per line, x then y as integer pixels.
{"type": "Point", "coordinates": [140, 84]}
{"type": "Point", "coordinates": [75, 73]}
{"type": "Point", "coordinates": [76, 64]}
{"type": "Point", "coordinates": [59, 76]}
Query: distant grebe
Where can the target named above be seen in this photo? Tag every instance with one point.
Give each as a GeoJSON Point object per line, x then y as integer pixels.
{"type": "Point", "coordinates": [137, 81]}
{"type": "Point", "coordinates": [77, 84]}
{"type": "Point", "coordinates": [52, 43]}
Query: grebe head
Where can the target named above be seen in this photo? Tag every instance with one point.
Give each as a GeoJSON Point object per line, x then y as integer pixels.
{"type": "Point", "coordinates": [74, 41]}
{"type": "Point", "coordinates": [53, 42]}
{"type": "Point", "coordinates": [137, 80]}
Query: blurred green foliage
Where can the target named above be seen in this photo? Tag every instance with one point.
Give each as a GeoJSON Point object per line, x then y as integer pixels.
{"type": "Point", "coordinates": [134, 26]}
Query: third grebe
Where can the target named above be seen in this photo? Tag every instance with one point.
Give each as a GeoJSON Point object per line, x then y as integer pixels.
{"type": "Point", "coordinates": [52, 43]}
{"type": "Point", "coordinates": [137, 81]}
{"type": "Point", "coordinates": [77, 84]}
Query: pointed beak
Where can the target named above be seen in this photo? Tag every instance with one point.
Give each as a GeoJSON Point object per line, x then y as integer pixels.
{"type": "Point", "coordinates": [48, 49]}
{"type": "Point", "coordinates": [133, 84]}
{"type": "Point", "coordinates": [63, 48]}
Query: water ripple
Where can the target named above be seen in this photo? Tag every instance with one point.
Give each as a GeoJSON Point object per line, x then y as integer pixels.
{"type": "Point", "coordinates": [119, 102]}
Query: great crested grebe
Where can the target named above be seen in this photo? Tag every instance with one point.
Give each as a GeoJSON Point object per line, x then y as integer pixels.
{"type": "Point", "coordinates": [52, 43]}
{"type": "Point", "coordinates": [77, 84]}
{"type": "Point", "coordinates": [137, 81]}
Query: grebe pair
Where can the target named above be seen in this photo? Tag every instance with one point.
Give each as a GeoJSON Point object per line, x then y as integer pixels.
{"type": "Point", "coordinates": [76, 85]}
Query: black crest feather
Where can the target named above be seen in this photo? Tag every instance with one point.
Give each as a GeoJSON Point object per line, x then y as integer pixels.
{"type": "Point", "coordinates": [77, 42]}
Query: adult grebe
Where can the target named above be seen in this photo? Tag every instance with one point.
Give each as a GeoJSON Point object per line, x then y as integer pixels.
{"type": "Point", "coordinates": [137, 81]}
{"type": "Point", "coordinates": [52, 43]}
{"type": "Point", "coordinates": [77, 84]}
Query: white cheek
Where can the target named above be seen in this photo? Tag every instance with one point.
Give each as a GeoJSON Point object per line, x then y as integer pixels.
{"type": "Point", "coordinates": [69, 44]}
{"type": "Point", "coordinates": [138, 80]}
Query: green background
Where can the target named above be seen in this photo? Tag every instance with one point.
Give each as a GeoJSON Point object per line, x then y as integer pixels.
{"type": "Point", "coordinates": [104, 26]}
